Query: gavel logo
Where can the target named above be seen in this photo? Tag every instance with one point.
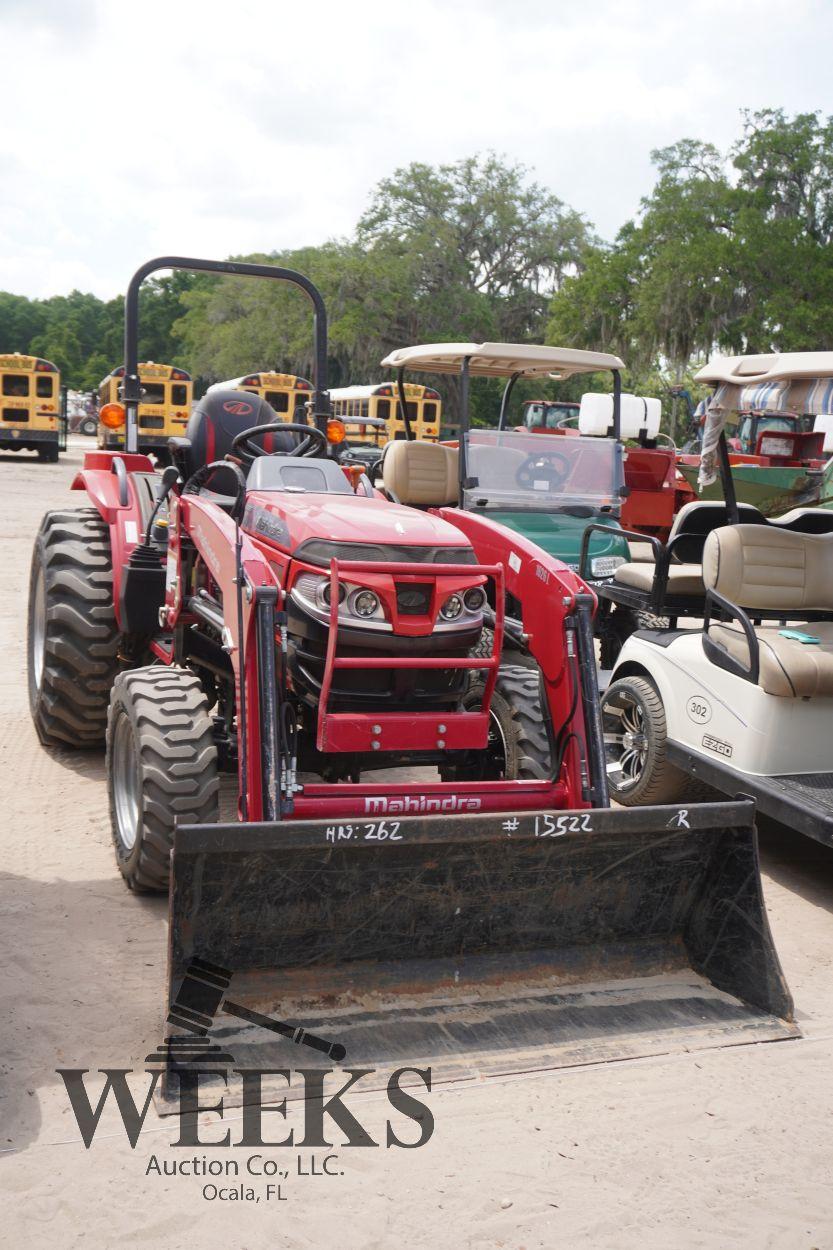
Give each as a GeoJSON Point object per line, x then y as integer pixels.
{"type": "Point", "coordinates": [201, 996]}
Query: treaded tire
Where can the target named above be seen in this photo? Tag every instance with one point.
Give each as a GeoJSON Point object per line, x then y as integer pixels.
{"type": "Point", "coordinates": [160, 747]}
{"type": "Point", "coordinates": [69, 687]}
{"type": "Point", "coordinates": [615, 628]}
{"type": "Point", "coordinates": [657, 781]}
{"type": "Point", "coordinates": [519, 744]}
{"type": "Point", "coordinates": [485, 646]}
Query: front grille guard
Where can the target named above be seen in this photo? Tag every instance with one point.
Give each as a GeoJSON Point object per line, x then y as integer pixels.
{"type": "Point", "coordinates": [415, 731]}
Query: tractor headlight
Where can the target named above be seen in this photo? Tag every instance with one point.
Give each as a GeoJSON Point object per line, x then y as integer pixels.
{"type": "Point", "coordinates": [365, 603]}
{"type": "Point", "coordinates": [452, 608]}
{"type": "Point", "coordinates": [606, 566]}
{"type": "Point", "coordinates": [325, 593]}
{"type": "Point", "coordinates": [313, 592]}
{"type": "Point", "coordinates": [474, 599]}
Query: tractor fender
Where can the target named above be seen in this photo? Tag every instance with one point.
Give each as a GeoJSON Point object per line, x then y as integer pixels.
{"type": "Point", "coordinates": [113, 495]}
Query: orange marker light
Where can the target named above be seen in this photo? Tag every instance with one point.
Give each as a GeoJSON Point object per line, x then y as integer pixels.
{"type": "Point", "coordinates": [112, 415]}
{"type": "Point", "coordinates": [336, 432]}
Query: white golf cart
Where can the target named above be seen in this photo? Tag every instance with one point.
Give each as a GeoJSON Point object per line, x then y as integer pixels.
{"type": "Point", "coordinates": [745, 703]}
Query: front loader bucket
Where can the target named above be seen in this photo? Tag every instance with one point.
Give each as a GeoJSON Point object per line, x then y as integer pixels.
{"type": "Point", "coordinates": [472, 945]}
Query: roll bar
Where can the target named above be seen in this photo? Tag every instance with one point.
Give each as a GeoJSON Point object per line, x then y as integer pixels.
{"type": "Point", "coordinates": [132, 392]}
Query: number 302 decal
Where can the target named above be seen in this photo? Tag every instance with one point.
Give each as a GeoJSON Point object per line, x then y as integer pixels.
{"type": "Point", "coordinates": [549, 826]}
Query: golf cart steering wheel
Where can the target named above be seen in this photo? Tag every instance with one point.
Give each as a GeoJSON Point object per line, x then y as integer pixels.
{"type": "Point", "coordinates": [313, 444]}
{"type": "Point", "coordinates": [552, 467]}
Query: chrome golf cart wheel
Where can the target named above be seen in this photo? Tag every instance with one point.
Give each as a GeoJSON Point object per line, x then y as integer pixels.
{"type": "Point", "coordinates": [635, 739]}
{"type": "Point", "coordinates": [626, 741]}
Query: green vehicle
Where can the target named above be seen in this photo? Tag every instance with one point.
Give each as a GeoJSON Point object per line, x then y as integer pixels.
{"type": "Point", "coordinates": [547, 488]}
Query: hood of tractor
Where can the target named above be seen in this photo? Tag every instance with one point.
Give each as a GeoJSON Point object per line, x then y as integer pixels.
{"type": "Point", "coordinates": [289, 520]}
{"type": "Point", "coordinates": [560, 534]}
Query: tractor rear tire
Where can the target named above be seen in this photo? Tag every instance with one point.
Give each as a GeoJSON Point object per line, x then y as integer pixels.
{"type": "Point", "coordinates": [519, 746]}
{"type": "Point", "coordinates": [73, 641]}
{"type": "Point", "coordinates": [161, 768]}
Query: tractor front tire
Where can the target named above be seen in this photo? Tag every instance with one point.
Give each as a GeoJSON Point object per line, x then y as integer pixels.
{"type": "Point", "coordinates": [519, 746]}
{"type": "Point", "coordinates": [615, 628]}
{"type": "Point", "coordinates": [161, 768]}
{"type": "Point", "coordinates": [73, 639]}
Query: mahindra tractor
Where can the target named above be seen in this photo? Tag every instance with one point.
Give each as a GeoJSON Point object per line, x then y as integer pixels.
{"type": "Point", "coordinates": [266, 627]}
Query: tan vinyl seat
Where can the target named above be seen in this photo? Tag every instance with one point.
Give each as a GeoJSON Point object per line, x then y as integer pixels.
{"type": "Point", "coordinates": [796, 670]}
{"type": "Point", "coordinates": [421, 474]}
{"type": "Point", "coordinates": [683, 579]}
{"type": "Point", "coordinates": [757, 566]}
{"type": "Point", "coordinates": [776, 570]}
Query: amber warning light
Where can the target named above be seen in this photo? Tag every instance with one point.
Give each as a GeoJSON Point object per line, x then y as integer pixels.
{"type": "Point", "coordinates": [112, 415]}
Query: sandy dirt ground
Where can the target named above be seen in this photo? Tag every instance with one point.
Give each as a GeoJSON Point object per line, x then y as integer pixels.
{"type": "Point", "coordinates": [728, 1148]}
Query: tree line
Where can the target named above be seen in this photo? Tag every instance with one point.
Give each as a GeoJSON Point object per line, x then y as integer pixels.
{"type": "Point", "coordinates": [730, 251]}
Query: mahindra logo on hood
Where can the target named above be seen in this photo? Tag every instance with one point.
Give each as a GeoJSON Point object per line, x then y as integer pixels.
{"type": "Point", "coordinates": [238, 408]}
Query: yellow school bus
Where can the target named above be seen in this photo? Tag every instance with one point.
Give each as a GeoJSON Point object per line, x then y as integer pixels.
{"type": "Point", "coordinates": [30, 406]}
{"type": "Point", "coordinates": [163, 413]}
{"type": "Point", "coordinates": [381, 400]}
{"type": "Point", "coordinates": [285, 392]}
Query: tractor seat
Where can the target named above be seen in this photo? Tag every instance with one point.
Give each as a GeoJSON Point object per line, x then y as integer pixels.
{"type": "Point", "coordinates": [215, 422]}
{"type": "Point", "coordinates": [683, 579]}
{"type": "Point", "coordinates": [423, 475]}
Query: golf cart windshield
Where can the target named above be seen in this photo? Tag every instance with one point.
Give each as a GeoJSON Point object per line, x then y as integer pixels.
{"type": "Point", "coordinates": [507, 469]}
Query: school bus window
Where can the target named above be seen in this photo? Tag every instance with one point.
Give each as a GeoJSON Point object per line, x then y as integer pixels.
{"type": "Point", "coordinates": [399, 434]}
{"type": "Point", "coordinates": [383, 409]}
{"type": "Point", "coordinates": [429, 412]}
{"type": "Point", "coordinates": [153, 392]}
{"type": "Point", "coordinates": [179, 395]}
{"type": "Point", "coordinates": [14, 384]}
{"type": "Point", "coordinates": [413, 411]}
{"type": "Point", "coordinates": [279, 400]}
{"type": "Point", "coordinates": [43, 387]}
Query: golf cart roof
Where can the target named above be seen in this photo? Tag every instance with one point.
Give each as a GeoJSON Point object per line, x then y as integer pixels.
{"type": "Point", "coordinates": [776, 366]}
{"type": "Point", "coordinates": [501, 360]}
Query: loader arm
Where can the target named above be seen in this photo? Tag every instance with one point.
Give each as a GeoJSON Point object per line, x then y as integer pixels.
{"type": "Point", "coordinates": [214, 535]}
{"type": "Point", "coordinates": [556, 609]}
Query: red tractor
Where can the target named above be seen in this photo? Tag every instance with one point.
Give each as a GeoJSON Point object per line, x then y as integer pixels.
{"type": "Point", "coordinates": [269, 615]}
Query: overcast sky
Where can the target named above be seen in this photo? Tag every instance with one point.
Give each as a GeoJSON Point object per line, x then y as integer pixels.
{"type": "Point", "coordinates": [189, 126]}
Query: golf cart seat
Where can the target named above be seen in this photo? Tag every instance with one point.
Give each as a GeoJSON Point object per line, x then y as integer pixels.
{"type": "Point", "coordinates": [683, 579]}
{"type": "Point", "coordinates": [637, 584]}
{"type": "Point", "coordinates": [805, 521]}
{"type": "Point", "coordinates": [423, 475]}
{"type": "Point", "coordinates": [770, 573]}
{"type": "Point", "coordinates": [215, 422]}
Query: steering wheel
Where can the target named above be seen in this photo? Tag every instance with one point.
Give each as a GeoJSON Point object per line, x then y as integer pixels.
{"type": "Point", "coordinates": [550, 466]}
{"type": "Point", "coordinates": [314, 442]}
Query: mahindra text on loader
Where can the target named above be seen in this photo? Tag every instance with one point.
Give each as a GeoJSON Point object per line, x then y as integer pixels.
{"type": "Point", "coordinates": [274, 617]}
{"type": "Point", "coordinates": [743, 703]}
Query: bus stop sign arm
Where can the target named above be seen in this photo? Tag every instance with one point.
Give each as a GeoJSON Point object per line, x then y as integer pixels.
{"type": "Point", "coordinates": [132, 393]}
